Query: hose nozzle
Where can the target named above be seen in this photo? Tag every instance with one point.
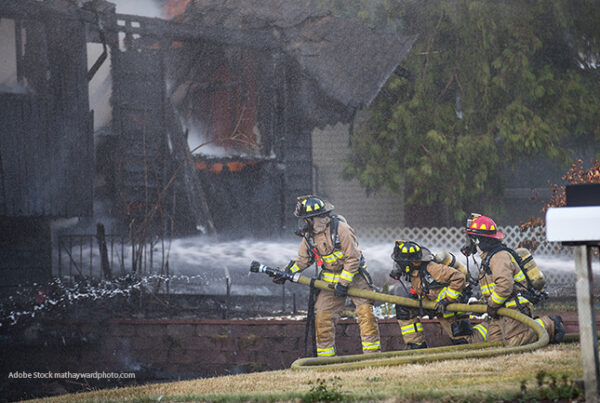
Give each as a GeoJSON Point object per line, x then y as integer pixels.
{"type": "Point", "coordinates": [256, 267]}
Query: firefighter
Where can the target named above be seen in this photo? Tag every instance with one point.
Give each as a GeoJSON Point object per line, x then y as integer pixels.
{"type": "Point", "coordinates": [330, 242]}
{"type": "Point", "coordinates": [503, 284]}
{"type": "Point", "coordinates": [431, 281]}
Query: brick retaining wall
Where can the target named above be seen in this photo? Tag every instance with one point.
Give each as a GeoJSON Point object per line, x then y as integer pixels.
{"type": "Point", "coordinates": [158, 350]}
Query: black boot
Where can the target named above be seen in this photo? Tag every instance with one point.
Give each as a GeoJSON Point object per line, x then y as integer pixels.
{"type": "Point", "coordinates": [559, 329]}
{"type": "Point", "coordinates": [462, 340]}
{"type": "Point", "coordinates": [415, 346]}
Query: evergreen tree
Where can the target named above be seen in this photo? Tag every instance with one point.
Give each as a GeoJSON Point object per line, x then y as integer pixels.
{"type": "Point", "coordinates": [488, 83]}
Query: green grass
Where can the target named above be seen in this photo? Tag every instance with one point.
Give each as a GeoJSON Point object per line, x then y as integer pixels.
{"type": "Point", "coordinates": [547, 373]}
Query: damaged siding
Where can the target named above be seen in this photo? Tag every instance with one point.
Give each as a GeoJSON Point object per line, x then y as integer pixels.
{"type": "Point", "coordinates": [46, 143]}
{"type": "Point", "coordinates": [381, 210]}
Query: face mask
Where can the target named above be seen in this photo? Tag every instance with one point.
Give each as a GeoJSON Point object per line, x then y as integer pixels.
{"type": "Point", "coordinates": [487, 243]}
{"type": "Point", "coordinates": [470, 248]}
{"type": "Point", "coordinates": [304, 226]}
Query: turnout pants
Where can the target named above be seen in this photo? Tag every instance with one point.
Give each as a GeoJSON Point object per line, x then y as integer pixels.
{"type": "Point", "coordinates": [413, 333]}
{"type": "Point", "coordinates": [515, 333]}
{"type": "Point", "coordinates": [327, 311]}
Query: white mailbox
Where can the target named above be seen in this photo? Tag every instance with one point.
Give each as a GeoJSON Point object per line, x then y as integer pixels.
{"type": "Point", "coordinates": [580, 225]}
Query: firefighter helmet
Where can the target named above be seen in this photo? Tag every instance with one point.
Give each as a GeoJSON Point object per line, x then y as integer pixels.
{"type": "Point", "coordinates": [483, 226]}
{"type": "Point", "coordinates": [408, 251]}
{"type": "Point", "coordinates": [310, 206]}
{"type": "Point", "coordinates": [408, 256]}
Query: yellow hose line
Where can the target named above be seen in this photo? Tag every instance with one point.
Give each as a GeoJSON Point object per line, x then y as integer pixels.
{"type": "Point", "coordinates": [417, 356]}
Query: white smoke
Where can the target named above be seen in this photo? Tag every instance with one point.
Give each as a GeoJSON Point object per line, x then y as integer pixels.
{"type": "Point", "coordinates": [195, 141]}
{"type": "Point", "coordinates": [144, 8]}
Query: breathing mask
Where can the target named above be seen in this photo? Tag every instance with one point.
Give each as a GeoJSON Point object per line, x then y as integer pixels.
{"type": "Point", "coordinates": [470, 247]}
{"type": "Point", "coordinates": [304, 226]}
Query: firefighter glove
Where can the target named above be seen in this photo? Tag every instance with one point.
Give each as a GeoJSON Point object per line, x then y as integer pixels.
{"type": "Point", "coordinates": [440, 307]}
{"type": "Point", "coordinates": [278, 278]}
{"type": "Point", "coordinates": [492, 312]}
{"type": "Point", "coordinates": [340, 290]}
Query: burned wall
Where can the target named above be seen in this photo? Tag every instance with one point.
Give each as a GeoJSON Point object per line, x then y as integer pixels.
{"type": "Point", "coordinates": [46, 144]}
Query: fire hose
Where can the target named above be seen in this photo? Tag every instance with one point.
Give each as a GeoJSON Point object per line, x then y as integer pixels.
{"type": "Point", "coordinates": [348, 362]}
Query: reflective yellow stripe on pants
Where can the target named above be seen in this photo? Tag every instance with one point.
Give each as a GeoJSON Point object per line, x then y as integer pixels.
{"type": "Point", "coordinates": [366, 346]}
{"type": "Point", "coordinates": [412, 328]}
{"type": "Point", "coordinates": [326, 352]}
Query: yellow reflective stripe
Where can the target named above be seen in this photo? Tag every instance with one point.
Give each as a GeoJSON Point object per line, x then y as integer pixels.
{"type": "Point", "coordinates": [441, 295]}
{"type": "Point", "coordinates": [450, 293]}
{"type": "Point", "coordinates": [326, 352]}
{"type": "Point", "coordinates": [448, 314]}
{"type": "Point", "coordinates": [482, 330]}
{"type": "Point", "coordinates": [447, 292]}
{"type": "Point", "coordinates": [512, 302]}
{"type": "Point", "coordinates": [330, 277]}
{"type": "Point", "coordinates": [371, 346]}
{"type": "Point", "coordinates": [294, 268]}
{"type": "Point", "coordinates": [346, 275]}
{"type": "Point", "coordinates": [487, 288]}
{"type": "Point", "coordinates": [538, 320]}
{"type": "Point", "coordinates": [416, 327]}
{"type": "Point", "coordinates": [333, 256]}
{"type": "Point", "coordinates": [519, 276]}
{"type": "Point", "coordinates": [498, 299]}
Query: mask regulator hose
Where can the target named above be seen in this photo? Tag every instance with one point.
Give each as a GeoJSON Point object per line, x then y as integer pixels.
{"type": "Point", "coordinates": [357, 361]}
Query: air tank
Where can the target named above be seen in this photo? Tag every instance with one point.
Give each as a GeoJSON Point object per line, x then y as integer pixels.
{"type": "Point", "coordinates": [528, 265]}
{"type": "Point", "coordinates": [449, 259]}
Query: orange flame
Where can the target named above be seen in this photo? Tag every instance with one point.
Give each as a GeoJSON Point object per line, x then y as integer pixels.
{"type": "Point", "coordinates": [174, 8]}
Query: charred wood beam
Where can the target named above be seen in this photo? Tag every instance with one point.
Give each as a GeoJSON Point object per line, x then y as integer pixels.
{"type": "Point", "coordinates": [94, 69]}
{"type": "Point", "coordinates": [158, 28]}
{"type": "Point", "coordinates": [145, 26]}
{"type": "Point", "coordinates": [38, 10]}
{"type": "Point", "coordinates": [192, 185]}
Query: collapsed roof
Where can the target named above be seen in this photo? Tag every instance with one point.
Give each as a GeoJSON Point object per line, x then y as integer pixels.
{"type": "Point", "coordinates": [348, 61]}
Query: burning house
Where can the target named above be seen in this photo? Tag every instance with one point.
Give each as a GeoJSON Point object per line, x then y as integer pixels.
{"type": "Point", "coordinates": [211, 113]}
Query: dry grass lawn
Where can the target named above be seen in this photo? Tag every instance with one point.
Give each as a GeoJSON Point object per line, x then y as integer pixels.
{"type": "Point", "coordinates": [493, 379]}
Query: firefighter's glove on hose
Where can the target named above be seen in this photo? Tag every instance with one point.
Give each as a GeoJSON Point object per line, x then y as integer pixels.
{"type": "Point", "coordinates": [440, 307]}
{"type": "Point", "coordinates": [278, 279]}
{"type": "Point", "coordinates": [340, 290]}
{"type": "Point", "coordinates": [492, 312]}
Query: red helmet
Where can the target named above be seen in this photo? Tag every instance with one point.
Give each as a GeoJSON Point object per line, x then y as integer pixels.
{"type": "Point", "coordinates": [484, 226]}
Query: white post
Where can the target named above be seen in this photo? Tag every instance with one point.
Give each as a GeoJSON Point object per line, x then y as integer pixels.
{"type": "Point", "coordinates": [587, 322]}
